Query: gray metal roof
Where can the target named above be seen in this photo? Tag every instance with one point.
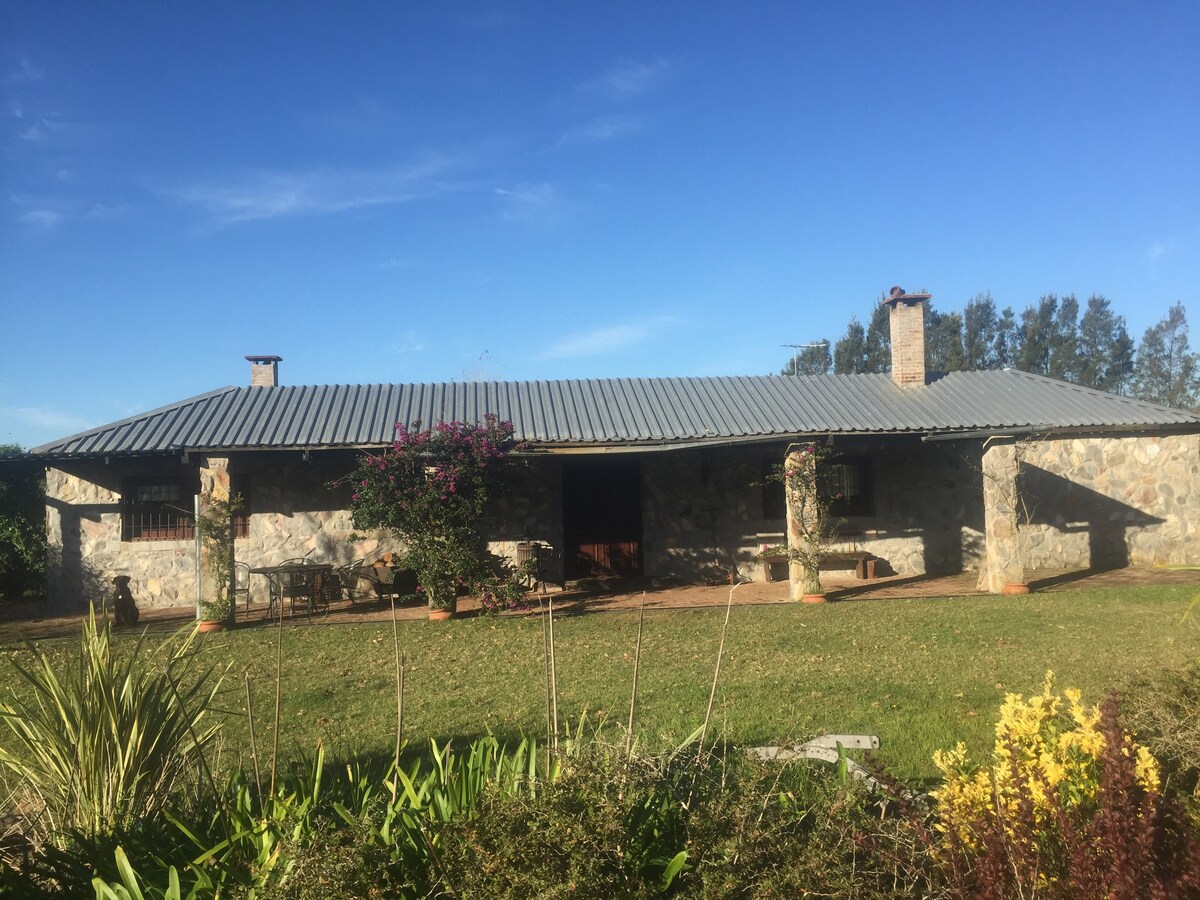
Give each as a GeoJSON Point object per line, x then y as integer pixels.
{"type": "Point", "coordinates": [620, 411]}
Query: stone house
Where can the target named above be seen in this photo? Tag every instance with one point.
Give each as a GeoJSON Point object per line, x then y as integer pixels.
{"type": "Point", "coordinates": [996, 471]}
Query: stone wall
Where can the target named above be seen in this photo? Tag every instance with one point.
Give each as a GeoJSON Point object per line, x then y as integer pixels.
{"type": "Point", "coordinates": [928, 515]}
{"type": "Point", "coordinates": [293, 513]}
{"type": "Point", "coordinates": [704, 507]}
{"type": "Point", "coordinates": [1103, 502]}
{"type": "Point", "coordinates": [702, 513]}
{"type": "Point", "coordinates": [531, 510]}
{"type": "Point", "coordinates": [83, 521]}
{"type": "Point", "coordinates": [1140, 506]}
{"type": "Point", "coordinates": [1094, 501]}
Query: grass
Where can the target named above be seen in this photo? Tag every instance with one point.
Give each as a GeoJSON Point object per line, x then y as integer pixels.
{"type": "Point", "coordinates": [921, 674]}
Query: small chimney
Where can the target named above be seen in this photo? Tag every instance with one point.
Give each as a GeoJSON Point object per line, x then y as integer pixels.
{"type": "Point", "coordinates": [264, 371]}
{"type": "Point", "coordinates": [907, 324]}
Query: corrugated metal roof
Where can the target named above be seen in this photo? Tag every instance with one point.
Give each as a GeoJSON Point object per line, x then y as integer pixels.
{"type": "Point", "coordinates": [619, 411]}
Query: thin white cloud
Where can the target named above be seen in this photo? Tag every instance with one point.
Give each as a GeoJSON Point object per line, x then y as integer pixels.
{"type": "Point", "coordinates": [1159, 250]}
{"type": "Point", "coordinates": [106, 211]}
{"type": "Point", "coordinates": [531, 203]}
{"type": "Point", "coordinates": [45, 419]}
{"type": "Point", "coordinates": [606, 339]}
{"type": "Point", "coordinates": [629, 78]}
{"type": "Point", "coordinates": [40, 130]}
{"type": "Point", "coordinates": [408, 342]}
{"type": "Point", "coordinates": [396, 262]}
{"type": "Point", "coordinates": [41, 219]}
{"type": "Point", "coordinates": [46, 211]}
{"type": "Point", "coordinates": [270, 195]}
{"type": "Point", "coordinates": [24, 72]}
{"type": "Point", "coordinates": [603, 128]}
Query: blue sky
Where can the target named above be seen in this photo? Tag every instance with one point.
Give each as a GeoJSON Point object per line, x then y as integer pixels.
{"type": "Point", "coordinates": [397, 192]}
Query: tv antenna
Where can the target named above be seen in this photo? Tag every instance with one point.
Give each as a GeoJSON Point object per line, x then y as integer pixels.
{"type": "Point", "coordinates": [796, 348]}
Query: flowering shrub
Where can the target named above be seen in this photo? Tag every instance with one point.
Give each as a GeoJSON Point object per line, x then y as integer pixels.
{"type": "Point", "coordinates": [1069, 806]}
{"type": "Point", "coordinates": [433, 489]}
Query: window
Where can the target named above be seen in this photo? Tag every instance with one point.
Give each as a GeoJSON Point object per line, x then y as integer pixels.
{"type": "Point", "coordinates": [846, 486]}
{"type": "Point", "coordinates": [158, 510]}
{"type": "Point", "coordinates": [239, 485]}
{"type": "Point", "coordinates": [773, 501]}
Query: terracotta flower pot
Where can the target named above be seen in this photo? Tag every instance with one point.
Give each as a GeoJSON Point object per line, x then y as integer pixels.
{"type": "Point", "coordinates": [1012, 588]}
{"type": "Point", "coordinates": [206, 626]}
{"type": "Point", "coordinates": [440, 615]}
{"type": "Point", "coordinates": [813, 598]}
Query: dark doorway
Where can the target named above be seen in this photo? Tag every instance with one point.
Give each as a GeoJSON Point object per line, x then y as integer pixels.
{"type": "Point", "coordinates": [602, 517]}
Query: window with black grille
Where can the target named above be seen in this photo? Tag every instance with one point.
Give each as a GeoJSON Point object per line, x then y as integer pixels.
{"type": "Point", "coordinates": [845, 485]}
{"type": "Point", "coordinates": [239, 486]}
{"type": "Point", "coordinates": [157, 510]}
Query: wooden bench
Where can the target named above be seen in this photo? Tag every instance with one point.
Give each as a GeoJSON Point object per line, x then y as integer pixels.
{"type": "Point", "coordinates": [863, 562]}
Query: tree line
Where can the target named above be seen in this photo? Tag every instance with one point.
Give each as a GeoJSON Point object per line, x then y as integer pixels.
{"type": "Point", "coordinates": [1049, 338]}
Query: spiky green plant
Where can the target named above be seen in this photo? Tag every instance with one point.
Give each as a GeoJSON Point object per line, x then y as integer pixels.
{"type": "Point", "coordinates": [107, 738]}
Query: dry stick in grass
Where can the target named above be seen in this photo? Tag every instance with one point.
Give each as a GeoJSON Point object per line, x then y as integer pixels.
{"type": "Point", "coordinates": [637, 657]}
{"type": "Point", "coordinates": [546, 678]}
{"type": "Point", "coordinates": [278, 679]}
{"type": "Point", "coordinates": [399, 683]}
{"type": "Point", "coordinates": [253, 743]}
{"type": "Point", "coordinates": [553, 678]}
{"type": "Point", "coordinates": [712, 693]}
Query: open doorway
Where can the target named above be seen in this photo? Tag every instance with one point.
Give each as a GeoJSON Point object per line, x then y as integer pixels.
{"type": "Point", "coordinates": [602, 517]}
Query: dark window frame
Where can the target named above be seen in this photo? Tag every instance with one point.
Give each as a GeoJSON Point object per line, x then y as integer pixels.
{"type": "Point", "coordinates": [849, 476]}
{"type": "Point", "coordinates": [157, 509]}
{"type": "Point", "coordinates": [774, 502]}
{"type": "Point", "coordinates": [846, 486]}
{"type": "Point", "coordinates": [240, 484]}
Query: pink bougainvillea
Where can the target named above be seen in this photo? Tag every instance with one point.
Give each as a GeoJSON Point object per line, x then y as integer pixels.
{"type": "Point", "coordinates": [433, 488]}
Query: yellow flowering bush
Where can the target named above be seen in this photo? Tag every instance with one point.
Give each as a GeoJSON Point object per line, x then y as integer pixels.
{"type": "Point", "coordinates": [1068, 806]}
{"type": "Point", "coordinates": [1045, 761]}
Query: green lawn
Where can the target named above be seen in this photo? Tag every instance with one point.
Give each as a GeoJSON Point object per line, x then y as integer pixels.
{"type": "Point", "coordinates": [921, 674]}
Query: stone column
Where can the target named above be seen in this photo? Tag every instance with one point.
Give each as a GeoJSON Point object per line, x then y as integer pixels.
{"type": "Point", "coordinates": [1002, 537]}
{"type": "Point", "coordinates": [799, 467]}
{"type": "Point", "coordinates": [214, 485]}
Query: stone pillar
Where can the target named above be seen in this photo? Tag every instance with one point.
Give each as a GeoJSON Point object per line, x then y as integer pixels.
{"type": "Point", "coordinates": [1002, 538]}
{"type": "Point", "coordinates": [214, 485]}
{"type": "Point", "coordinates": [799, 468]}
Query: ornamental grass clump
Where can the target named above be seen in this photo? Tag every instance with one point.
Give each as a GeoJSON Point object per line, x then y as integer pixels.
{"type": "Point", "coordinates": [433, 489]}
{"type": "Point", "coordinates": [1070, 805]}
{"type": "Point", "coordinates": [107, 738]}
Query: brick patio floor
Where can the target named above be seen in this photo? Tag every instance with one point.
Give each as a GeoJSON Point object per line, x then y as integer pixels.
{"type": "Point", "coordinates": [27, 621]}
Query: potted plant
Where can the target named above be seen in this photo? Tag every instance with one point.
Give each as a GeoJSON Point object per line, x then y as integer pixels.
{"type": "Point", "coordinates": [215, 615]}
{"type": "Point", "coordinates": [215, 526]}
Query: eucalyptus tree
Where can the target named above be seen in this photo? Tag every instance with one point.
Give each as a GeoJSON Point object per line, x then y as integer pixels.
{"type": "Point", "coordinates": [850, 352]}
{"type": "Point", "coordinates": [1105, 348]}
{"type": "Point", "coordinates": [1167, 371]}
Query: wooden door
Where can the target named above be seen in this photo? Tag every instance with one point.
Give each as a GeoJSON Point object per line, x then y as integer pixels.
{"type": "Point", "coordinates": [602, 517]}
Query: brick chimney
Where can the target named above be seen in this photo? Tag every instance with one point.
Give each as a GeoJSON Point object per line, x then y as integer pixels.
{"type": "Point", "coordinates": [264, 371]}
{"type": "Point", "coordinates": [907, 324]}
